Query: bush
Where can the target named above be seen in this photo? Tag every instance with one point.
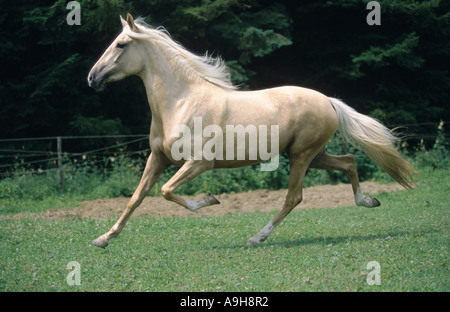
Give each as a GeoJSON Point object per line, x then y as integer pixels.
{"type": "Point", "coordinates": [439, 156]}
{"type": "Point", "coordinates": [8, 189]}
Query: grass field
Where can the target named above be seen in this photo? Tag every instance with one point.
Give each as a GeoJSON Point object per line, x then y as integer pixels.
{"type": "Point", "coordinates": [312, 250]}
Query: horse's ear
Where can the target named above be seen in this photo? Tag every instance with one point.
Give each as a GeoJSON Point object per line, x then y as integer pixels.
{"type": "Point", "coordinates": [130, 22]}
{"type": "Point", "coordinates": [124, 22]}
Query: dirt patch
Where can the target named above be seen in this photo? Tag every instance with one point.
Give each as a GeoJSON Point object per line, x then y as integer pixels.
{"type": "Point", "coordinates": [323, 196]}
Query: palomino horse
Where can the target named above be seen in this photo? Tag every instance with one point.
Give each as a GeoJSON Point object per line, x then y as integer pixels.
{"type": "Point", "coordinates": [182, 86]}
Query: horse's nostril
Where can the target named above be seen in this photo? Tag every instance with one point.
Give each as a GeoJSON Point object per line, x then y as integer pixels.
{"type": "Point", "coordinates": [91, 77]}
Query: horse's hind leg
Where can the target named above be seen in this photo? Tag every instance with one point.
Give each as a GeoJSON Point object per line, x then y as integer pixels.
{"type": "Point", "coordinates": [294, 197]}
{"type": "Point", "coordinates": [345, 163]}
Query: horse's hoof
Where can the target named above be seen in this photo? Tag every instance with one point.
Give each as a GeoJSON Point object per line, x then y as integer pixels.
{"type": "Point", "coordinates": [251, 243]}
{"type": "Point", "coordinates": [375, 202]}
{"type": "Point", "coordinates": [210, 199]}
{"type": "Point", "coordinates": [100, 242]}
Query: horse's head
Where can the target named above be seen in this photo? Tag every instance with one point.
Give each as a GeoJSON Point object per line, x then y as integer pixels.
{"type": "Point", "coordinates": [121, 59]}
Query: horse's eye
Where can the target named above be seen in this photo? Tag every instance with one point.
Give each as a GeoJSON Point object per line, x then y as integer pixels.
{"type": "Point", "coordinates": [121, 45]}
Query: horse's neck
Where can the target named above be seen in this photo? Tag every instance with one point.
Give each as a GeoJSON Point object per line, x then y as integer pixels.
{"type": "Point", "coordinates": [168, 84]}
{"type": "Point", "coordinates": [162, 85]}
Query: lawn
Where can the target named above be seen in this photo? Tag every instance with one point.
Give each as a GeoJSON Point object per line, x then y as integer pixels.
{"type": "Point", "coordinates": [312, 250]}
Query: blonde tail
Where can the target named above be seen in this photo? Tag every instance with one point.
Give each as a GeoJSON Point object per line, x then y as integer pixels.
{"type": "Point", "coordinates": [375, 140]}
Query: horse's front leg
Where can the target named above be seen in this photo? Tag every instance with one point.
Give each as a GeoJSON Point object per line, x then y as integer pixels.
{"type": "Point", "coordinates": [156, 164]}
{"type": "Point", "coordinates": [187, 172]}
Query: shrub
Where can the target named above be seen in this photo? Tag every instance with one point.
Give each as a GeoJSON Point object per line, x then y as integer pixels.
{"type": "Point", "coordinates": [439, 156]}
{"type": "Point", "coordinates": [8, 189]}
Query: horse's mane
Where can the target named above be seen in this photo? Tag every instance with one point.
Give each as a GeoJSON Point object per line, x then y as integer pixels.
{"type": "Point", "coordinates": [212, 69]}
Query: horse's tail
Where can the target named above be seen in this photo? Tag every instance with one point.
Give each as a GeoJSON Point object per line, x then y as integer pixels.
{"type": "Point", "coordinates": [375, 140]}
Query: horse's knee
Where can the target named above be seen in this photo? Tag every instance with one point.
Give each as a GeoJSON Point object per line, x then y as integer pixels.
{"type": "Point", "coordinates": [293, 201]}
{"type": "Point", "coordinates": [166, 192]}
{"type": "Point", "coordinates": [298, 199]}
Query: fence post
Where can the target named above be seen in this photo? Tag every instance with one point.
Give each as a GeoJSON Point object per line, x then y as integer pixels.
{"type": "Point", "coordinates": [61, 182]}
{"type": "Point", "coordinates": [344, 146]}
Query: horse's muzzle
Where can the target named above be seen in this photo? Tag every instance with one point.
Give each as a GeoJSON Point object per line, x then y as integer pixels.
{"type": "Point", "coordinates": [98, 83]}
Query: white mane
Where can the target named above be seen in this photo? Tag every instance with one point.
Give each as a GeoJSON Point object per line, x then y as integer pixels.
{"type": "Point", "coordinates": [209, 68]}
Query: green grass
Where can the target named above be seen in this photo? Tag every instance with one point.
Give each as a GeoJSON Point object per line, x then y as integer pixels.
{"type": "Point", "coordinates": [312, 250]}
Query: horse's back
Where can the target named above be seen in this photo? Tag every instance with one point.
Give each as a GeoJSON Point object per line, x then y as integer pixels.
{"type": "Point", "coordinates": [303, 115]}
{"type": "Point", "coordinates": [287, 105]}
{"type": "Point", "coordinates": [307, 114]}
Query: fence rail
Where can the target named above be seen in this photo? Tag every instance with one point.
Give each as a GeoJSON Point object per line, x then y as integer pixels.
{"type": "Point", "coordinates": [53, 160]}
